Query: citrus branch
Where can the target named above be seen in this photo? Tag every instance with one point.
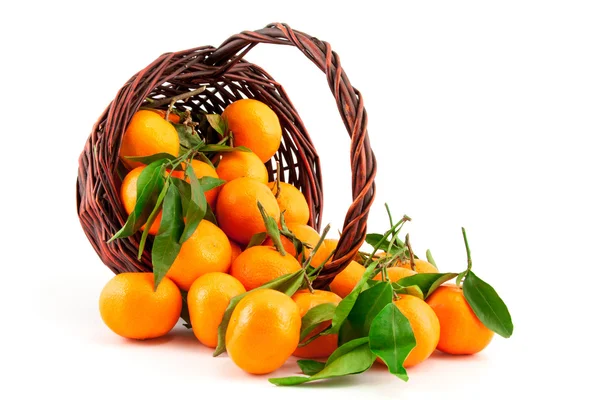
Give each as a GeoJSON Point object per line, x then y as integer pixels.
{"type": "Point", "coordinates": [174, 99]}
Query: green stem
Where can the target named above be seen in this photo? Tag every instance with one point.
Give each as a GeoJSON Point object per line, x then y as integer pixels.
{"type": "Point", "coordinates": [314, 250]}
{"type": "Point", "coordinates": [383, 239]}
{"type": "Point", "coordinates": [223, 141]}
{"type": "Point", "coordinates": [395, 239]}
{"type": "Point", "coordinates": [462, 275]}
{"type": "Point", "coordinates": [469, 261]}
{"type": "Point", "coordinates": [410, 252]}
{"type": "Point", "coordinates": [384, 275]}
{"type": "Point", "coordinates": [389, 213]}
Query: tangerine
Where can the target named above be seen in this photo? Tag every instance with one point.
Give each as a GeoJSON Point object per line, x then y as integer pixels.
{"type": "Point", "coordinates": [261, 264]}
{"type": "Point", "coordinates": [461, 332]}
{"type": "Point", "coordinates": [239, 164]}
{"type": "Point", "coordinates": [425, 326]}
{"type": "Point", "coordinates": [292, 202]}
{"type": "Point", "coordinates": [131, 307]}
{"type": "Point", "coordinates": [207, 250]}
{"type": "Point", "coordinates": [254, 125]}
{"type": "Point", "coordinates": [148, 134]}
{"type": "Point", "coordinates": [202, 169]}
{"type": "Point", "coordinates": [129, 197]}
{"type": "Point", "coordinates": [323, 346]}
{"type": "Point", "coordinates": [207, 300]}
{"type": "Point", "coordinates": [263, 331]}
{"type": "Point", "coordinates": [346, 280]}
{"type": "Point", "coordinates": [237, 210]}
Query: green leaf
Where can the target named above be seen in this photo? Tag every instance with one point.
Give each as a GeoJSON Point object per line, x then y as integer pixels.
{"type": "Point", "coordinates": [352, 358]}
{"type": "Point", "coordinates": [487, 305]}
{"type": "Point", "coordinates": [210, 216]}
{"type": "Point", "coordinates": [196, 206]}
{"type": "Point", "coordinates": [289, 380]}
{"type": "Point", "coordinates": [314, 317]}
{"type": "Point", "coordinates": [272, 229]}
{"type": "Point", "coordinates": [205, 159]}
{"type": "Point", "coordinates": [310, 367]}
{"type": "Point", "coordinates": [151, 218]}
{"type": "Point", "coordinates": [217, 123]}
{"type": "Point", "coordinates": [370, 283]}
{"type": "Point", "coordinates": [222, 148]}
{"type": "Point", "coordinates": [391, 338]}
{"type": "Point", "coordinates": [257, 239]}
{"type": "Point", "coordinates": [375, 239]}
{"type": "Point", "coordinates": [343, 309]}
{"type": "Point", "coordinates": [368, 304]}
{"type": "Point", "coordinates": [166, 243]}
{"type": "Point", "coordinates": [346, 348]}
{"type": "Point", "coordinates": [285, 231]}
{"type": "Point", "coordinates": [430, 258]}
{"type": "Point", "coordinates": [187, 137]}
{"type": "Point", "coordinates": [287, 284]}
{"type": "Point", "coordinates": [427, 282]}
{"type": "Point", "coordinates": [413, 290]}
{"type": "Point", "coordinates": [185, 192]}
{"type": "Point", "coordinates": [149, 184]}
{"type": "Point", "coordinates": [208, 183]}
{"type": "Point", "coordinates": [150, 159]}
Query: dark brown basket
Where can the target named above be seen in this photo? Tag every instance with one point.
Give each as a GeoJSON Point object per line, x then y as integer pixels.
{"type": "Point", "coordinates": [228, 77]}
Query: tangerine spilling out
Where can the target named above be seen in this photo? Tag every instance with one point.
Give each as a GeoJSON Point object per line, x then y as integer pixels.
{"type": "Point", "coordinates": [461, 332]}
{"type": "Point", "coordinates": [131, 307]}
{"type": "Point", "coordinates": [324, 345]}
{"type": "Point", "coordinates": [263, 332]}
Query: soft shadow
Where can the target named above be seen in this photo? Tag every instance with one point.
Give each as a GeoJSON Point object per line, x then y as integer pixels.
{"type": "Point", "coordinates": [149, 342]}
{"type": "Point", "coordinates": [439, 355]}
{"type": "Point", "coordinates": [180, 338]}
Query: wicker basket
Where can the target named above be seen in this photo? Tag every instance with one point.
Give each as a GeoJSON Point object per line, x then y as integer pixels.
{"type": "Point", "coordinates": [227, 77]}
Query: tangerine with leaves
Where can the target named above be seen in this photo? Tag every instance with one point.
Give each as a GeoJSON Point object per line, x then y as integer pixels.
{"type": "Point", "coordinates": [202, 169]}
{"type": "Point", "coordinates": [242, 164]}
{"type": "Point", "coordinates": [292, 202]}
{"type": "Point", "coordinates": [324, 345]}
{"type": "Point", "coordinates": [207, 301]}
{"type": "Point", "coordinates": [346, 280]}
{"type": "Point", "coordinates": [263, 331]}
{"type": "Point", "coordinates": [425, 326]}
{"type": "Point", "coordinates": [207, 250]}
{"type": "Point", "coordinates": [237, 208]}
{"type": "Point", "coordinates": [258, 265]}
{"type": "Point", "coordinates": [255, 126]}
{"type": "Point", "coordinates": [148, 134]}
{"type": "Point", "coordinates": [461, 332]}
{"type": "Point", "coordinates": [129, 197]}
{"type": "Point", "coordinates": [131, 307]}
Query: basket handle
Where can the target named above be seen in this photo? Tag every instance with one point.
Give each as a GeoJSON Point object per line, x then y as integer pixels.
{"type": "Point", "coordinates": [350, 105]}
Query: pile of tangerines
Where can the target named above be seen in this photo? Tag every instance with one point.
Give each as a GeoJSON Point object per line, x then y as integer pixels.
{"type": "Point", "coordinates": [233, 256]}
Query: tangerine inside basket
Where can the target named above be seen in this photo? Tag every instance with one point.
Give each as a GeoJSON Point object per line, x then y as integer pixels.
{"type": "Point", "coordinates": [227, 77]}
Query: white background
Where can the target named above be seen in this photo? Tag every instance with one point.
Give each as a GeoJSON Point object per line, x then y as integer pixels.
{"type": "Point", "coordinates": [482, 114]}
